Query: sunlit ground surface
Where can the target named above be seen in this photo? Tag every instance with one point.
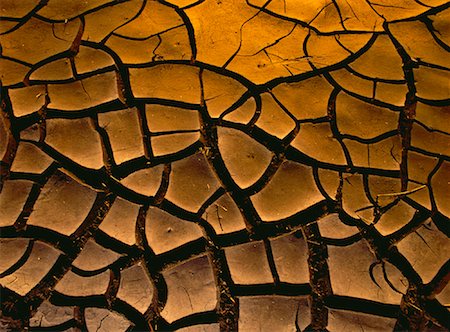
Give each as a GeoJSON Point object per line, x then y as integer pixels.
{"type": "Point", "coordinates": [225, 165]}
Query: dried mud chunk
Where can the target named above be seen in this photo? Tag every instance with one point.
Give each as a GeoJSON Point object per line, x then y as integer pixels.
{"type": "Point", "coordinates": [145, 181]}
{"type": "Point", "coordinates": [27, 100]}
{"type": "Point", "coordinates": [133, 51]}
{"type": "Point", "coordinates": [162, 118]}
{"type": "Point", "coordinates": [72, 200]}
{"type": "Point", "coordinates": [380, 188]}
{"type": "Point", "coordinates": [12, 72]}
{"type": "Point", "coordinates": [244, 113]}
{"type": "Point", "coordinates": [385, 154]}
{"type": "Point", "coordinates": [342, 321]}
{"type": "Point", "coordinates": [291, 190]}
{"type": "Point", "coordinates": [290, 254]}
{"type": "Point", "coordinates": [395, 218]}
{"type": "Point", "coordinates": [103, 320]}
{"type": "Point", "coordinates": [100, 23]}
{"type": "Point", "coordinates": [248, 264]}
{"type": "Point", "coordinates": [90, 59]}
{"type": "Point", "coordinates": [332, 227]}
{"type": "Point", "coordinates": [120, 221]}
{"type": "Point", "coordinates": [175, 45]}
{"type": "Point", "coordinates": [35, 268]}
{"type": "Point", "coordinates": [361, 119]}
{"type": "Point", "coordinates": [191, 289]}
{"type": "Point", "coordinates": [393, 94]}
{"type": "Point", "coordinates": [124, 132]}
{"type": "Point", "coordinates": [381, 60]}
{"type": "Point", "coordinates": [136, 287]}
{"type": "Point", "coordinates": [220, 92]}
{"type": "Point", "coordinates": [48, 315]}
{"type": "Point", "coordinates": [13, 196]}
{"type": "Point", "coordinates": [85, 93]}
{"type": "Point", "coordinates": [420, 166]}
{"type": "Point", "coordinates": [441, 188]}
{"type": "Point", "coordinates": [392, 10]}
{"type": "Point", "coordinates": [191, 182]}
{"type": "Point", "coordinates": [329, 180]}
{"type": "Point", "coordinates": [273, 118]}
{"type": "Point", "coordinates": [77, 140]}
{"type": "Point", "coordinates": [60, 9]}
{"type": "Point", "coordinates": [12, 8]}
{"type": "Point", "coordinates": [421, 196]}
{"type": "Point", "coordinates": [273, 313]}
{"type": "Point", "coordinates": [432, 141]}
{"type": "Point", "coordinates": [317, 141]}
{"type": "Point", "coordinates": [173, 143]}
{"type": "Point", "coordinates": [427, 249]}
{"type": "Point", "coordinates": [4, 138]}
{"type": "Point", "coordinates": [245, 158]}
{"type": "Point", "coordinates": [306, 99]}
{"type": "Point", "coordinates": [30, 159]}
{"type": "Point", "coordinates": [432, 83]}
{"type": "Point", "coordinates": [31, 133]}
{"type": "Point", "coordinates": [349, 273]}
{"type": "Point", "coordinates": [37, 40]}
{"type": "Point", "coordinates": [15, 248]}
{"type": "Point", "coordinates": [354, 200]}
{"type": "Point", "coordinates": [166, 81]}
{"type": "Point", "coordinates": [352, 83]}
{"type": "Point", "coordinates": [441, 25]}
{"type": "Point", "coordinates": [94, 257]}
{"type": "Point", "coordinates": [224, 215]}
{"type": "Point", "coordinates": [165, 232]}
{"type": "Point", "coordinates": [59, 69]}
{"type": "Point", "coordinates": [75, 285]}
{"type": "Point", "coordinates": [434, 117]}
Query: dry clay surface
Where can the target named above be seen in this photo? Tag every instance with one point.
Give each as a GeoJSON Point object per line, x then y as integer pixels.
{"type": "Point", "coordinates": [225, 165]}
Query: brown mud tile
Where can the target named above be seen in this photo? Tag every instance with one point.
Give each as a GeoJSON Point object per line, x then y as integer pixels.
{"type": "Point", "coordinates": [201, 328]}
{"type": "Point", "coordinates": [27, 100]}
{"type": "Point", "coordinates": [354, 199]}
{"type": "Point", "coordinates": [343, 321]}
{"type": "Point", "coordinates": [12, 72]}
{"type": "Point", "coordinates": [353, 83]}
{"type": "Point", "coordinates": [380, 188]}
{"type": "Point", "coordinates": [120, 221]}
{"type": "Point", "coordinates": [85, 93]}
{"type": "Point", "coordinates": [317, 141]}
{"type": "Point", "coordinates": [290, 254]}
{"type": "Point", "coordinates": [441, 188]}
{"type": "Point", "coordinates": [12, 8]}
{"type": "Point", "coordinates": [59, 69]}
{"type": "Point", "coordinates": [427, 249]}
{"type": "Point", "coordinates": [12, 199]}
{"type": "Point", "coordinates": [100, 23]}
{"type": "Point", "coordinates": [191, 288]}
{"type": "Point", "coordinates": [332, 227]}
{"type": "Point", "coordinates": [358, 118]}
{"type": "Point", "coordinates": [175, 45]}
{"type": "Point", "coordinates": [421, 196]}
{"type": "Point", "coordinates": [419, 43]}
{"type": "Point", "coordinates": [35, 268]}
{"type": "Point", "coordinates": [224, 215]}
{"type": "Point", "coordinates": [89, 59]}
{"type": "Point", "coordinates": [165, 232]}
{"type": "Point", "coordinates": [77, 140]}
{"type": "Point", "coordinates": [248, 264]}
{"type": "Point", "coordinates": [395, 218]}
{"type": "Point", "coordinates": [94, 257]}
{"type": "Point", "coordinates": [166, 81]}
{"type": "Point", "coordinates": [432, 83]}
{"type": "Point", "coordinates": [385, 154]}
{"type": "Point", "coordinates": [124, 133]}
{"type": "Point", "coordinates": [220, 92]}
{"type": "Point", "coordinates": [71, 199]}
{"type": "Point", "coordinates": [244, 113]}
{"type": "Point", "coordinates": [192, 182]}
{"type": "Point", "coordinates": [245, 158]}
{"type": "Point", "coordinates": [381, 60]}
{"type": "Point", "coordinates": [133, 51]}
{"type": "Point", "coordinates": [349, 273]}
{"type": "Point", "coordinates": [306, 99]}
{"type": "Point", "coordinates": [104, 320]}
{"type": "Point", "coordinates": [15, 249]}
{"type": "Point", "coordinates": [273, 119]}
{"type": "Point", "coordinates": [432, 141]}
{"type": "Point", "coordinates": [31, 133]}
{"type": "Point", "coordinates": [291, 190]}
{"type": "Point", "coordinates": [434, 117]}
{"type": "Point", "coordinates": [30, 159]}
{"type": "Point", "coordinates": [441, 25]}
{"type": "Point", "coordinates": [392, 10]}
{"type": "Point", "coordinates": [330, 182]}
{"type": "Point", "coordinates": [393, 94]}
{"type": "Point", "coordinates": [61, 10]}
{"type": "Point", "coordinates": [136, 287]}
{"type": "Point", "coordinates": [145, 181]}
{"type": "Point", "coordinates": [37, 40]}
{"type": "Point", "coordinates": [48, 315]}
{"type": "Point", "coordinates": [273, 313]}
{"type": "Point", "coordinates": [444, 296]}
{"type": "Point", "coordinates": [173, 143]}
{"type": "Point", "coordinates": [4, 137]}
{"type": "Point", "coordinates": [162, 118]}
{"type": "Point", "coordinates": [75, 285]}
{"type": "Point", "coordinates": [6, 26]}
{"type": "Point", "coordinates": [154, 18]}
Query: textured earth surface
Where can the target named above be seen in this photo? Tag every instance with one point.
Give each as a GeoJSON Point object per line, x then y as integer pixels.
{"type": "Point", "coordinates": [250, 165]}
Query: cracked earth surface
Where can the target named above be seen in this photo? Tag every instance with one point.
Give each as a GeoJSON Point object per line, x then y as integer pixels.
{"type": "Point", "coordinates": [209, 165]}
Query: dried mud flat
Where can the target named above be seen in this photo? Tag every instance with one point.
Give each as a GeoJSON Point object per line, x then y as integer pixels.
{"type": "Point", "coordinates": [225, 165]}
